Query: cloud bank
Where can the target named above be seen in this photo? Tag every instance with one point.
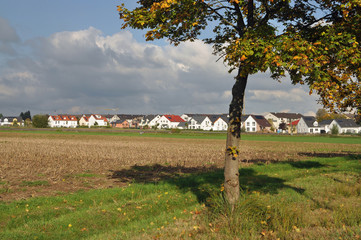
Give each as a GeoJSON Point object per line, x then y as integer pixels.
{"type": "Point", "coordinates": [87, 72]}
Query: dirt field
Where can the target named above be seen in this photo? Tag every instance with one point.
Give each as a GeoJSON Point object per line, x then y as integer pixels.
{"type": "Point", "coordinates": [49, 164]}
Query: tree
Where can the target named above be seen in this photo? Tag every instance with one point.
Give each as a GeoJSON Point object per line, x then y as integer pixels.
{"type": "Point", "coordinates": [40, 121]}
{"type": "Point", "coordinates": [25, 115]}
{"type": "Point", "coordinates": [315, 42]}
{"type": "Point", "coordinates": [323, 114]}
{"type": "Point", "coordinates": [1, 115]}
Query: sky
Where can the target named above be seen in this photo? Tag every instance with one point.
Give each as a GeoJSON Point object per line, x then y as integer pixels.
{"type": "Point", "coordinates": [71, 56]}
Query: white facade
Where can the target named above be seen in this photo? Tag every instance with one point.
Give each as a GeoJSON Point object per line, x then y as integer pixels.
{"type": "Point", "coordinates": [99, 119]}
{"type": "Point", "coordinates": [250, 124]}
{"type": "Point", "coordinates": [220, 125]}
{"type": "Point", "coordinates": [62, 121]}
{"type": "Point", "coordinates": [310, 127]}
{"type": "Point", "coordinates": [146, 121]}
{"type": "Point", "coordinates": [203, 123]}
{"type": "Point", "coordinates": [345, 128]}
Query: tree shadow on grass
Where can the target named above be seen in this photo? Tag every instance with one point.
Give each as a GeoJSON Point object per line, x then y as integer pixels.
{"type": "Point", "coordinates": [202, 181]}
{"type": "Point", "coordinates": [348, 155]}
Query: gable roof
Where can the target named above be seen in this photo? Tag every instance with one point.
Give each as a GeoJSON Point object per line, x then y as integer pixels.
{"type": "Point", "coordinates": [99, 117]}
{"type": "Point", "coordinates": [347, 123]}
{"type": "Point", "coordinates": [63, 118]}
{"type": "Point", "coordinates": [325, 122]}
{"type": "Point", "coordinates": [174, 118]}
{"type": "Point", "coordinates": [309, 120]}
{"type": "Point", "coordinates": [199, 119]}
{"type": "Point", "coordinates": [287, 115]}
{"type": "Point", "coordinates": [261, 121]}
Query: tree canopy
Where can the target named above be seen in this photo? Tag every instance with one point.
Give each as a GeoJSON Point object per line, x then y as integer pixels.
{"type": "Point", "coordinates": [315, 42]}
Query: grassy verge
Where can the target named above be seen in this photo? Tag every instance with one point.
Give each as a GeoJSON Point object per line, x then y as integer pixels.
{"type": "Point", "coordinates": [314, 199]}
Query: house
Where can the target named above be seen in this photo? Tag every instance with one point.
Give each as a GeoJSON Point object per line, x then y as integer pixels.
{"type": "Point", "coordinates": [255, 123]}
{"type": "Point", "coordinates": [93, 120]}
{"type": "Point", "coordinates": [66, 121]}
{"type": "Point", "coordinates": [220, 122]}
{"type": "Point", "coordinates": [309, 124]}
{"type": "Point", "coordinates": [149, 121]}
{"type": "Point", "coordinates": [11, 121]}
{"type": "Point", "coordinates": [122, 123]}
{"type": "Point", "coordinates": [84, 121]}
{"type": "Point", "coordinates": [277, 118]}
{"type": "Point", "coordinates": [169, 121]}
{"type": "Point", "coordinates": [345, 126]}
{"type": "Point", "coordinates": [325, 124]}
{"type": "Point", "coordinates": [98, 120]}
{"type": "Point", "coordinates": [200, 122]}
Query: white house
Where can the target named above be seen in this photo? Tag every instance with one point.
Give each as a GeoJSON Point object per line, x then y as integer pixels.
{"type": "Point", "coordinates": [345, 126]}
{"type": "Point", "coordinates": [220, 123]}
{"type": "Point", "coordinates": [98, 120]}
{"type": "Point", "coordinates": [278, 118]}
{"type": "Point", "coordinates": [170, 121]}
{"type": "Point", "coordinates": [63, 121]}
{"type": "Point", "coordinates": [10, 121]}
{"type": "Point", "coordinates": [200, 122]}
{"type": "Point", "coordinates": [149, 120]}
{"type": "Point", "coordinates": [255, 123]}
{"type": "Point", "coordinates": [309, 124]}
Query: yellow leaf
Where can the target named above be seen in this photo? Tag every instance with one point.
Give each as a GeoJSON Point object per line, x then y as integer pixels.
{"type": "Point", "coordinates": [243, 58]}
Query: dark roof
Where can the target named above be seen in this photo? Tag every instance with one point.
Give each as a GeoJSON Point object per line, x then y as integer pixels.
{"type": "Point", "coordinates": [261, 121]}
{"type": "Point", "coordinates": [347, 123]}
{"type": "Point", "coordinates": [325, 122]}
{"type": "Point", "coordinates": [199, 119]}
{"type": "Point", "coordinates": [287, 115]}
{"type": "Point", "coordinates": [309, 120]}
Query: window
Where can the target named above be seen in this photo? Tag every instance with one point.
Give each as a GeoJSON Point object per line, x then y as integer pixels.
{"type": "Point", "coordinates": [253, 124]}
{"type": "Point", "coordinates": [247, 123]}
{"type": "Point", "coordinates": [248, 129]}
{"type": "Point", "coordinates": [253, 129]}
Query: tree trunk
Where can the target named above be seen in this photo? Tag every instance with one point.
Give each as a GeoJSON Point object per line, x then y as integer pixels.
{"type": "Point", "coordinates": [231, 168]}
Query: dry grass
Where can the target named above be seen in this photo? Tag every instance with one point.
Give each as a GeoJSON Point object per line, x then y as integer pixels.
{"type": "Point", "coordinates": [73, 162]}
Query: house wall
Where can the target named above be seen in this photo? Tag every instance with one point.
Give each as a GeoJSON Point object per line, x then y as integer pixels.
{"type": "Point", "coordinates": [220, 125]}
{"type": "Point", "coordinates": [250, 124]}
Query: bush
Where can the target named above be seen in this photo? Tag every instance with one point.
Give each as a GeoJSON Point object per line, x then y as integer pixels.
{"type": "Point", "coordinates": [334, 130]}
{"type": "Point", "coordinates": [40, 121]}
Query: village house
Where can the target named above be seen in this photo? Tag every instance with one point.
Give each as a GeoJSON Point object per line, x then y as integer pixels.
{"type": "Point", "coordinates": [122, 123]}
{"type": "Point", "coordinates": [345, 126]}
{"type": "Point", "coordinates": [11, 121]}
{"type": "Point", "coordinates": [309, 124]}
{"type": "Point", "coordinates": [169, 121]}
{"type": "Point", "coordinates": [220, 122]}
{"type": "Point", "coordinates": [277, 118]}
{"type": "Point", "coordinates": [93, 120]}
{"type": "Point", "coordinates": [200, 122]}
{"type": "Point", "coordinates": [255, 123]}
{"type": "Point", "coordinates": [149, 121]}
{"type": "Point", "coordinates": [66, 121]}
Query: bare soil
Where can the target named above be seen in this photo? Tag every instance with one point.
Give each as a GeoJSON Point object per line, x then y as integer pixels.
{"type": "Point", "coordinates": [53, 164]}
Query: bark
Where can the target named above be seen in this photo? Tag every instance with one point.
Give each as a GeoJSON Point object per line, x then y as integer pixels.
{"type": "Point", "coordinates": [231, 168]}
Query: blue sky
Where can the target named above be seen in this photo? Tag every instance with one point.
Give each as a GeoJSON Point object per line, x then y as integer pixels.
{"type": "Point", "coordinates": [72, 57]}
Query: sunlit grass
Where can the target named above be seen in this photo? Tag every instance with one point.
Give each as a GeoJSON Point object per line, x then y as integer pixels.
{"type": "Point", "coordinates": [313, 199]}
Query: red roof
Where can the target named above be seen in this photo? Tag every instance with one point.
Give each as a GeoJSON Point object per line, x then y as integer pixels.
{"type": "Point", "coordinates": [63, 118]}
{"type": "Point", "coordinates": [100, 117]}
{"type": "Point", "coordinates": [174, 118]}
{"type": "Point", "coordinates": [294, 123]}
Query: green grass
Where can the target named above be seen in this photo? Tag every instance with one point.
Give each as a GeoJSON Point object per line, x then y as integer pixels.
{"type": "Point", "coordinates": [34, 183]}
{"type": "Point", "coordinates": [314, 199]}
{"type": "Point", "coordinates": [342, 139]}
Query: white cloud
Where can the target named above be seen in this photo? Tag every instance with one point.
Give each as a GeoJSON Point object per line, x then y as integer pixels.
{"type": "Point", "coordinates": [84, 70]}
